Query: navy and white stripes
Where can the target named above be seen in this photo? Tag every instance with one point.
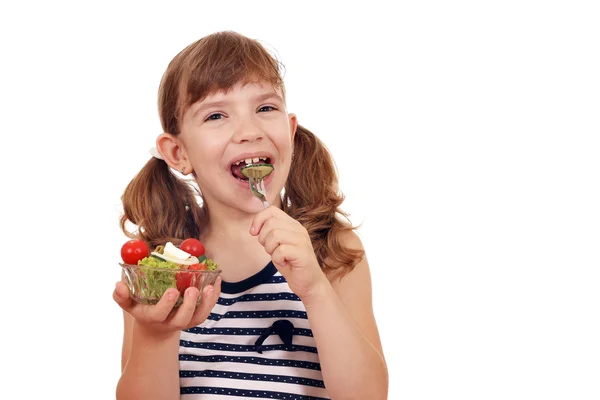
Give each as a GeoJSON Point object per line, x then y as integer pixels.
{"type": "Point", "coordinates": [218, 359]}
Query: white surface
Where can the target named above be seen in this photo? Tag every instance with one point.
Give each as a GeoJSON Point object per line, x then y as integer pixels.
{"type": "Point", "coordinates": [466, 136]}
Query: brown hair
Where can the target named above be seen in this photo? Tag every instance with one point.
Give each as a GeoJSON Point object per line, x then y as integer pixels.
{"type": "Point", "coordinates": [218, 62]}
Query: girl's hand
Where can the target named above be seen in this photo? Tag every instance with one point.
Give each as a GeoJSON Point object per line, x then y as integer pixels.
{"type": "Point", "coordinates": [291, 250]}
{"type": "Point", "coordinates": [162, 318]}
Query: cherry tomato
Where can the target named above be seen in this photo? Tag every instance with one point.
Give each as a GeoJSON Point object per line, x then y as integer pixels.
{"type": "Point", "coordinates": [133, 251]}
{"type": "Point", "coordinates": [192, 246]}
{"type": "Point", "coordinates": [186, 279]}
{"type": "Point", "coordinates": [197, 267]}
{"type": "Point", "coordinates": [183, 280]}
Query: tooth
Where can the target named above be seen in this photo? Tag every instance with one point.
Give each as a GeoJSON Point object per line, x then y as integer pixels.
{"type": "Point", "coordinates": [248, 161]}
{"type": "Point", "coordinates": [255, 159]}
{"type": "Point", "coordinates": [263, 158]}
{"type": "Point", "coordinates": [238, 163]}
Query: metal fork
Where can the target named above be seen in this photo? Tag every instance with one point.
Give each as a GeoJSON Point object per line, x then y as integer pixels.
{"type": "Point", "coordinates": [257, 187]}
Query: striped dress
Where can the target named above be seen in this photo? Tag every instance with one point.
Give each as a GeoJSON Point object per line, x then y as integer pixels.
{"type": "Point", "coordinates": [256, 343]}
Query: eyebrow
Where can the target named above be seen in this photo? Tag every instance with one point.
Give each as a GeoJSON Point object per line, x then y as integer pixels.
{"type": "Point", "coordinates": [268, 96]}
{"type": "Point", "coordinates": [221, 103]}
{"type": "Point", "coordinates": [210, 104]}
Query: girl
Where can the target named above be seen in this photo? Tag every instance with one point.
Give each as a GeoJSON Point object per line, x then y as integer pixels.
{"type": "Point", "coordinates": [292, 316]}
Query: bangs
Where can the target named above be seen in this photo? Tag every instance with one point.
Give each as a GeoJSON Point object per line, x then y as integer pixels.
{"type": "Point", "coordinates": [223, 60]}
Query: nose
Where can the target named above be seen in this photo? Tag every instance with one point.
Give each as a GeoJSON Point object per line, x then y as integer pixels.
{"type": "Point", "coordinates": [247, 130]}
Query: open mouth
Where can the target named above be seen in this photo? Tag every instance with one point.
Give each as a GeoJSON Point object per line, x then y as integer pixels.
{"type": "Point", "coordinates": [238, 165]}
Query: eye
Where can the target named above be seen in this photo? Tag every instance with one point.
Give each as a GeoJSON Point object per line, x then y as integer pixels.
{"type": "Point", "coordinates": [266, 108]}
{"type": "Point", "coordinates": [214, 116]}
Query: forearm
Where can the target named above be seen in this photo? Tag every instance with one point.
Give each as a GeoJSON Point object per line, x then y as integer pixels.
{"type": "Point", "coordinates": [352, 367]}
{"type": "Point", "coordinates": [152, 370]}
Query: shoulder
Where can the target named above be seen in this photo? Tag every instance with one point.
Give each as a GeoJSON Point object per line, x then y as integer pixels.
{"type": "Point", "coordinates": [358, 277]}
{"type": "Point", "coordinates": [347, 247]}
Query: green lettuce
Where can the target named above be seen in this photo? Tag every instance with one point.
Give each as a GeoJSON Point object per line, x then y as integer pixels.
{"type": "Point", "coordinates": [156, 281]}
{"type": "Point", "coordinates": [211, 265]}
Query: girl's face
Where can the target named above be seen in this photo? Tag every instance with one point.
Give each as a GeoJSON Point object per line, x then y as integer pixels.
{"type": "Point", "coordinates": [249, 122]}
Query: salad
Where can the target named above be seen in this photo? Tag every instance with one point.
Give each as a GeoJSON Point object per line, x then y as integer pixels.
{"type": "Point", "coordinates": [166, 267]}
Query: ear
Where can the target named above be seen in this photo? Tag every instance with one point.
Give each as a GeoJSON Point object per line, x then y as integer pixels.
{"type": "Point", "coordinates": [172, 151]}
{"type": "Point", "coordinates": [293, 125]}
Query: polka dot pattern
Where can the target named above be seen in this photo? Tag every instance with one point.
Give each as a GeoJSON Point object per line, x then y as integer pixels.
{"type": "Point", "coordinates": [245, 348]}
{"type": "Point", "coordinates": [259, 314]}
{"type": "Point", "coordinates": [252, 377]}
{"type": "Point", "coordinates": [277, 279]}
{"type": "Point", "coordinates": [247, 393]}
{"type": "Point", "coordinates": [242, 331]}
{"type": "Point", "coordinates": [258, 297]}
{"type": "Point", "coordinates": [251, 360]}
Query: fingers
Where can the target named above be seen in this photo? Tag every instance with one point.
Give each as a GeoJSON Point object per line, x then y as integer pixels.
{"type": "Point", "coordinates": [259, 220]}
{"type": "Point", "coordinates": [163, 313]}
{"type": "Point", "coordinates": [276, 217]}
{"type": "Point", "coordinates": [121, 296]}
{"type": "Point", "coordinates": [151, 314]}
{"type": "Point", "coordinates": [265, 230]}
{"type": "Point", "coordinates": [210, 295]}
{"type": "Point", "coordinates": [181, 318]}
{"type": "Point", "coordinates": [285, 254]}
{"type": "Point", "coordinates": [294, 231]}
{"type": "Point", "coordinates": [162, 309]}
{"type": "Point", "coordinates": [278, 236]}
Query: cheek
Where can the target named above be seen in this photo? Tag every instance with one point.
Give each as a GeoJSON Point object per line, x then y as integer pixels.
{"type": "Point", "coordinates": [283, 139]}
{"type": "Point", "coordinates": [205, 148]}
{"type": "Point", "coordinates": [284, 146]}
{"type": "Point", "coordinates": [206, 157]}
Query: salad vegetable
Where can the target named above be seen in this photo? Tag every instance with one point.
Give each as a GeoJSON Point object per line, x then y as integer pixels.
{"type": "Point", "coordinates": [133, 251]}
{"type": "Point", "coordinates": [157, 276]}
{"type": "Point", "coordinates": [257, 171]}
{"type": "Point", "coordinates": [192, 246]}
{"type": "Point", "coordinates": [175, 255]}
{"type": "Point", "coordinates": [167, 266]}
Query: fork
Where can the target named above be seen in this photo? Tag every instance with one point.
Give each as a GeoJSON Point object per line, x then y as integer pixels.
{"type": "Point", "coordinates": [257, 187]}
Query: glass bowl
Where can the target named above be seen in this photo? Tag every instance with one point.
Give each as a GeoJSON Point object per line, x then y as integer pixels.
{"type": "Point", "coordinates": [148, 284]}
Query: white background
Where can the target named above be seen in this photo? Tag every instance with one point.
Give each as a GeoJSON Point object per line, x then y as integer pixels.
{"type": "Point", "coordinates": [465, 133]}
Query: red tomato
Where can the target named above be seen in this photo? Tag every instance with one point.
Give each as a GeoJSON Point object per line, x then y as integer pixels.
{"type": "Point", "coordinates": [197, 267]}
{"type": "Point", "coordinates": [183, 280]}
{"type": "Point", "coordinates": [186, 279]}
{"type": "Point", "coordinates": [133, 251]}
{"type": "Point", "coordinates": [192, 246]}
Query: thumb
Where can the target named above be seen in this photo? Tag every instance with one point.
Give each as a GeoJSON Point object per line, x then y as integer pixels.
{"type": "Point", "coordinates": [121, 296]}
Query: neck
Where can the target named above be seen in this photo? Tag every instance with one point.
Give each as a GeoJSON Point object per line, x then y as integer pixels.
{"type": "Point", "coordinates": [229, 243]}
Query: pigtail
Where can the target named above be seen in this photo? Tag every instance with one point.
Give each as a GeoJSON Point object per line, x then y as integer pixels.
{"type": "Point", "coordinates": [312, 197]}
{"type": "Point", "coordinates": [162, 206]}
